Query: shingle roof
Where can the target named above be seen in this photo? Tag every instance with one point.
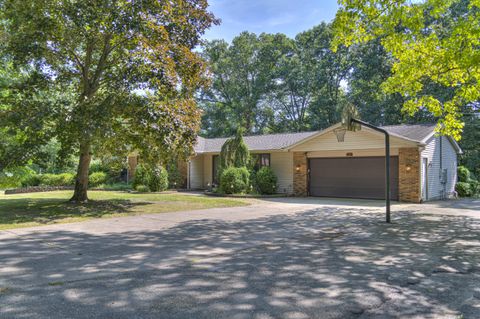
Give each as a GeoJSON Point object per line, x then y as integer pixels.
{"type": "Point", "coordinates": [254, 142]}
{"type": "Point", "coordinates": [416, 132]}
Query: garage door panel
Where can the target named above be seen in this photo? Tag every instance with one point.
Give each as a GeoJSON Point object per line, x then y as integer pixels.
{"type": "Point", "coordinates": [352, 177]}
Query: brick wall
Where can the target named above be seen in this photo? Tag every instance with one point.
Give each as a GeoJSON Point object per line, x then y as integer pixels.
{"type": "Point", "coordinates": [300, 176]}
{"type": "Point", "coordinates": [409, 175]}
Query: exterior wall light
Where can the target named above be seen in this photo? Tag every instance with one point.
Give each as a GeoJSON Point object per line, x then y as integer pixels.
{"type": "Point", "coordinates": [408, 168]}
{"type": "Point", "coordinates": [297, 168]}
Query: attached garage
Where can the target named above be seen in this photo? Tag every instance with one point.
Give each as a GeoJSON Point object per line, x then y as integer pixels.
{"type": "Point", "coordinates": [423, 164]}
{"type": "Point", "coordinates": [352, 177]}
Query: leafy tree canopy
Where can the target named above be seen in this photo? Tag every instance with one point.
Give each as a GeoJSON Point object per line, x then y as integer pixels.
{"type": "Point", "coordinates": [433, 43]}
{"type": "Point", "coordinates": [103, 74]}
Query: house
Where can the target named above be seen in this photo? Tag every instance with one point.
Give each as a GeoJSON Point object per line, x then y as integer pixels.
{"type": "Point", "coordinates": [423, 164]}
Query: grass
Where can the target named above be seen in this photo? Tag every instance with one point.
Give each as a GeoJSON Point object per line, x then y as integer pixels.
{"type": "Point", "coordinates": [34, 209]}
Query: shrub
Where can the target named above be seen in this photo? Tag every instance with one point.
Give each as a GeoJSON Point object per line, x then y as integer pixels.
{"type": "Point", "coordinates": [13, 178]}
{"type": "Point", "coordinates": [266, 181]}
{"type": "Point", "coordinates": [234, 180]}
{"type": "Point", "coordinates": [475, 187]}
{"type": "Point", "coordinates": [463, 189]}
{"type": "Point", "coordinates": [175, 178]}
{"type": "Point", "coordinates": [68, 179]}
{"type": "Point", "coordinates": [142, 176]}
{"type": "Point", "coordinates": [97, 178]}
{"type": "Point", "coordinates": [97, 166]}
{"type": "Point", "coordinates": [142, 189]}
{"type": "Point", "coordinates": [463, 174]}
{"type": "Point", "coordinates": [51, 180]}
{"type": "Point", "coordinates": [32, 180]}
{"type": "Point", "coordinates": [156, 179]}
{"type": "Point", "coordinates": [64, 179]}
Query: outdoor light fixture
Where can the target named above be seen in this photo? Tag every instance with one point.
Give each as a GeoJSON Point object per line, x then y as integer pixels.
{"type": "Point", "coordinates": [408, 168]}
{"type": "Point", "coordinates": [297, 168]}
{"type": "Point", "coordinates": [340, 133]}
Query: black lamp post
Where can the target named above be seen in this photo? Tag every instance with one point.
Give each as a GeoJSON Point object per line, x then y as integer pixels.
{"type": "Point", "coordinates": [387, 164]}
{"type": "Point", "coordinates": [340, 136]}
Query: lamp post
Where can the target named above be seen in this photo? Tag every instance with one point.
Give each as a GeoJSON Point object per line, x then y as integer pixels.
{"type": "Point", "coordinates": [340, 133]}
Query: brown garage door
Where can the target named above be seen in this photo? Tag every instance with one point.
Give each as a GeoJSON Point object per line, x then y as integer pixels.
{"type": "Point", "coordinates": [352, 177]}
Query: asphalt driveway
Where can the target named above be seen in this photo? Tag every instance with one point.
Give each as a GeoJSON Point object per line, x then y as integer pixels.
{"type": "Point", "coordinates": [284, 258]}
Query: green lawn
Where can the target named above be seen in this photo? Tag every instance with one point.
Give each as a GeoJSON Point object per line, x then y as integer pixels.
{"type": "Point", "coordinates": [26, 210]}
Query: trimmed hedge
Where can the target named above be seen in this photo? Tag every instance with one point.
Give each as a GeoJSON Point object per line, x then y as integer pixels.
{"type": "Point", "coordinates": [266, 181]}
{"type": "Point", "coordinates": [234, 180]}
{"type": "Point", "coordinates": [65, 179]}
{"type": "Point", "coordinates": [32, 180]}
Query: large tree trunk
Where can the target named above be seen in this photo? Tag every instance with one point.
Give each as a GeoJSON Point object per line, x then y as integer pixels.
{"type": "Point", "coordinates": [81, 182]}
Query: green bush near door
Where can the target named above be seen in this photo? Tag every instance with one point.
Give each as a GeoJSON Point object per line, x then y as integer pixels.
{"type": "Point", "coordinates": [266, 181]}
{"type": "Point", "coordinates": [235, 180]}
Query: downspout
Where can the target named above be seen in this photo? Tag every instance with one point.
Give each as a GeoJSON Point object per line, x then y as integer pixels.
{"type": "Point", "coordinates": [441, 175]}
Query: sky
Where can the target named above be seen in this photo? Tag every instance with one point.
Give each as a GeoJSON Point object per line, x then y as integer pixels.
{"type": "Point", "coordinates": [271, 16]}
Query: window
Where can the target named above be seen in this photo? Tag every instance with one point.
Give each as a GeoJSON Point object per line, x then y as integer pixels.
{"type": "Point", "coordinates": [261, 160]}
{"type": "Point", "coordinates": [215, 167]}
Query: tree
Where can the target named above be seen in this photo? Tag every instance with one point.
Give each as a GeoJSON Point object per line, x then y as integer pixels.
{"type": "Point", "coordinates": [234, 152]}
{"type": "Point", "coordinates": [371, 66]}
{"type": "Point", "coordinates": [242, 74]}
{"type": "Point", "coordinates": [433, 44]}
{"type": "Point", "coordinates": [469, 142]}
{"type": "Point", "coordinates": [127, 68]}
{"type": "Point", "coordinates": [330, 69]}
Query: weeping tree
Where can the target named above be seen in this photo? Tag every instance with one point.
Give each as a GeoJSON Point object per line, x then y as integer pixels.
{"type": "Point", "coordinates": [122, 75]}
{"type": "Point", "coordinates": [234, 152]}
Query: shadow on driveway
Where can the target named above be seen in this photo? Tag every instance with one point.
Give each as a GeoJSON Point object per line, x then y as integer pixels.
{"type": "Point", "coordinates": [321, 263]}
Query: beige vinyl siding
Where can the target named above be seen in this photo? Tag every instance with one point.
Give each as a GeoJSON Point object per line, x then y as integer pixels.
{"type": "Point", "coordinates": [363, 139]}
{"type": "Point", "coordinates": [282, 164]}
{"type": "Point", "coordinates": [354, 153]}
{"type": "Point", "coordinates": [449, 162]}
{"type": "Point", "coordinates": [207, 170]}
{"type": "Point", "coordinates": [195, 172]}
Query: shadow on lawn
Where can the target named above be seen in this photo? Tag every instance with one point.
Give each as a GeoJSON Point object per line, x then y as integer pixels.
{"type": "Point", "coordinates": [48, 210]}
{"type": "Point", "coordinates": [328, 263]}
